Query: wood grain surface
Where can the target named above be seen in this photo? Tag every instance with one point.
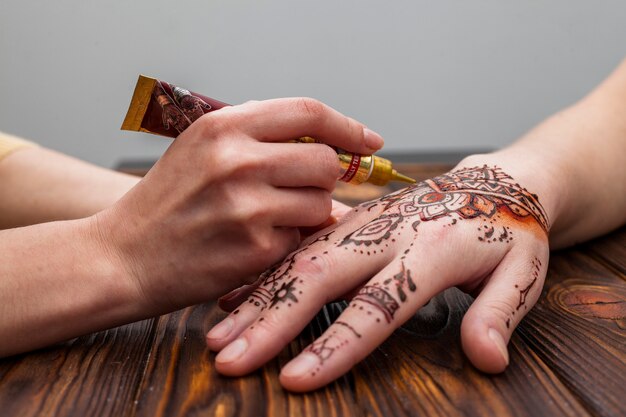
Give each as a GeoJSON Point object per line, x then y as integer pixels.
{"type": "Point", "coordinates": [567, 358]}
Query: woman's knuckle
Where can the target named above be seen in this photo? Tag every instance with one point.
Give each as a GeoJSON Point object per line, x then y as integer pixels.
{"type": "Point", "coordinates": [312, 266]}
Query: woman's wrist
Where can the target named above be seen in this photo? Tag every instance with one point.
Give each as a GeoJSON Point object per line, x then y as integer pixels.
{"type": "Point", "coordinates": [533, 174]}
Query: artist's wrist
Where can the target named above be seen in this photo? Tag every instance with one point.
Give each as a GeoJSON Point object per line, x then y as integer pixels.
{"type": "Point", "coordinates": [117, 268]}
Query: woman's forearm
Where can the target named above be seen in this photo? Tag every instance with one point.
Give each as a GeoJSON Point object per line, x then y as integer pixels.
{"type": "Point", "coordinates": [40, 185]}
{"type": "Point", "coordinates": [575, 161]}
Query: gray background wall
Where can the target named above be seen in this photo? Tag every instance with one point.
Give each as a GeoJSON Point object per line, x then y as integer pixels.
{"type": "Point", "coordinates": [428, 75]}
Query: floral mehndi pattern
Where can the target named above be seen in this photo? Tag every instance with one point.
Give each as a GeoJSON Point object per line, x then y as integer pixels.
{"type": "Point", "coordinates": [485, 193]}
{"type": "Point", "coordinates": [465, 194]}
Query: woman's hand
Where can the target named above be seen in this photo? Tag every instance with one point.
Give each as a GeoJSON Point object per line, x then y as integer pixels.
{"type": "Point", "coordinates": [227, 199]}
{"type": "Point", "coordinates": [475, 228]}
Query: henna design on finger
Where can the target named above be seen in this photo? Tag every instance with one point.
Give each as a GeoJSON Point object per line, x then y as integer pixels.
{"type": "Point", "coordinates": [379, 299]}
{"type": "Point", "coordinates": [401, 278]}
{"type": "Point", "coordinates": [379, 296]}
{"type": "Point", "coordinates": [285, 294]}
{"type": "Point", "coordinates": [273, 288]}
{"type": "Point", "coordinates": [322, 349]}
{"type": "Point", "coordinates": [523, 293]}
{"type": "Point", "coordinates": [260, 297]}
{"type": "Point", "coordinates": [536, 263]}
{"type": "Point", "coordinates": [343, 323]}
{"type": "Point", "coordinates": [325, 347]}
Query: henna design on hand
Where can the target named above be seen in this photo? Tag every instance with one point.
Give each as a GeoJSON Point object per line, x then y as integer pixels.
{"type": "Point", "coordinates": [374, 232]}
{"type": "Point", "coordinates": [269, 291]}
{"type": "Point", "coordinates": [485, 193]}
{"type": "Point", "coordinates": [466, 193]}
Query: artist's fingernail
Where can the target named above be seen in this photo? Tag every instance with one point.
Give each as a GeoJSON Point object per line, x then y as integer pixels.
{"type": "Point", "coordinates": [233, 351]}
{"type": "Point", "coordinates": [222, 330]}
{"type": "Point", "coordinates": [372, 139]}
{"type": "Point", "coordinates": [300, 365]}
{"type": "Point", "coordinates": [497, 340]}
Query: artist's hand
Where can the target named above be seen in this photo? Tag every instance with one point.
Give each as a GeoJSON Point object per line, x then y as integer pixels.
{"type": "Point", "coordinates": [231, 300]}
{"type": "Point", "coordinates": [227, 199]}
{"type": "Point", "coordinates": [474, 228]}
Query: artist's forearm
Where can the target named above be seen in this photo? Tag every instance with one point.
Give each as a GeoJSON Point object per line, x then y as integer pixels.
{"type": "Point", "coordinates": [58, 282]}
{"type": "Point", "coordinates": [40, 185]}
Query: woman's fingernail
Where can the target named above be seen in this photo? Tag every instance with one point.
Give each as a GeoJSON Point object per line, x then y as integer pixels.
{"type": "Point", "coordinates": [233, 351]}
{"type": "Point", "coordinates": [222, 330]}
{"type": "Point", "coordinates": [300, 365]}
{"type": "Point", "coordinates": [497, 339]}
{"type": "Point", "coordinates": [372, 139]}
{"type": "Point", "coordinates": [230, 295]}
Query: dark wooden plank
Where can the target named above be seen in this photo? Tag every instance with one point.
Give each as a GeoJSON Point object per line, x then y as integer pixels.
{"type": "Point", "coordinates": [181, 380]}
{"type": "Point", "coordinates": [421, 370]}
{"type": "Point", "coordinates": [578, 329]}
{"type": "Point", "coordinates": [94, 375]}
{"type": "Point", "coordinates": [609, 250]}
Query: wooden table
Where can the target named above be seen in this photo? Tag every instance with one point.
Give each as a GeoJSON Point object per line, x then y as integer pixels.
{"type": "Point", "coordinates": [567, 358]}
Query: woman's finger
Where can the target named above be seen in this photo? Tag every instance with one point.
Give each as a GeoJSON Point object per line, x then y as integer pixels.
{"type": "Point", "coordinates": [233, 299]}
{"type": "Point", "coordinates": [380, 307]}
{"type": "Point", "coordinates": [323, 243]}
{"type": "Point", "coordinates": [292, 293]}
{"type": "Point", "coordinates": [510, 293]}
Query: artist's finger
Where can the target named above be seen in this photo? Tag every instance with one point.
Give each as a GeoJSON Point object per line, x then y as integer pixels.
{"type": "Point", "coordinates": [381, 306]}
{"type": "Point", "coordinates": [301, 165]}
{"type": "Point", "coordinates": [340, 209]}
{"type": "Point", "coordinates": [338, 213]}
{"type": "Point", "coordinates": [512, 290]}
{"type": "Point", "coordinates": [284, 119]}
{"type": "Point", "coordinates": [294, 207]}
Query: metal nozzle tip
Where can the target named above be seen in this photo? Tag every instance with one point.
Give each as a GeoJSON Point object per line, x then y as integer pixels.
{"type": "Point", "coordinates": [401, 177]}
